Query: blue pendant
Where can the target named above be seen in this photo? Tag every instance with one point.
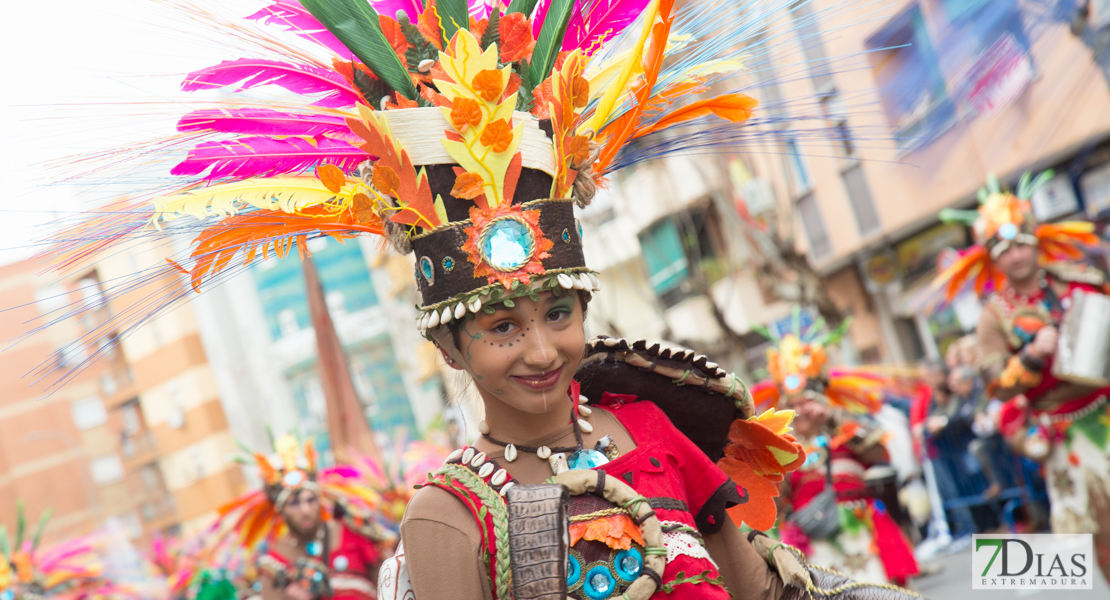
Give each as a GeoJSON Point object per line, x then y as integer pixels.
{"type": "Point", "coordinates": [313, 548]}
{"type": "Point", "coordinates": [586, 459]}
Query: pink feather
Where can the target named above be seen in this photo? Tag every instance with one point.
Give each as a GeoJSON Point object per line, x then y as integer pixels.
{"type": "Point", "coordinates": [594, 22]}
{"type": "Point", "coordinates": [538, 15]}
{"type": "Point", "coordinates": [255, 72]}
{"type": "Point", "coordinates": [389, 8]}
{"type": "Point", "coordinates": [260, 156]}
{"type": "Point", "coordinates": [261, 121]}
{"type": "Point", "coordinates": [290, 15]}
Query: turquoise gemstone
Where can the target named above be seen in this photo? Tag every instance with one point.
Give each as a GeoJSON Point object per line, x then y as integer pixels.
{"type": "Point", "coordinates": [586, 459]}
{"type": "Point", "coordinates": [1008, 231]}
{"type": "Point", "coordinates": [602, 584]}
{"type": "Point", "coordinates": [313, 548]}
{"type": "Point", "coordinates": [507, 244]}
{"type": "Point", "coordinates": [427, 269]}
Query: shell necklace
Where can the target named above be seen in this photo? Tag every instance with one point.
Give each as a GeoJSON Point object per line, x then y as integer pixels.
{"type": "Point", "coordinates": [563, 458]}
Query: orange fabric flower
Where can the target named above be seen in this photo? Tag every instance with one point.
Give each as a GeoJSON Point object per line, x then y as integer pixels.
{"type": "Point", "coordinates": [393, 34]}
{"type": "Point", "coordinates": [468, 186]}
{"type": "Point", "coordinates": [428, 25]}
{"type": "Point", "coordinates": [385, 179]}
{"type": "Point", "coordinates": [615, 531]}
{"type": "Point", "coordinates": [578, 147]}
{"type": "Point", "coordinates": [581, 92]}
{"type": "Point", "coordinates": [480, 219]}
{"type": "Point", "coordinates": [331, 176]}
{"type": "Point", "coordinates": [465, 113]}
{"type": "Point", "coordinates": [759, 512]}
{"type": "Point", "coordinates": [517, 41]}
{"type": "Point", "coordinates": [362, 207]}
{"type": "Point", "coordinates": [498, 135]}
{"type": "Point", "coordinates": [763, 443]}
{"type": "Point", "coordinates": [488, 84]}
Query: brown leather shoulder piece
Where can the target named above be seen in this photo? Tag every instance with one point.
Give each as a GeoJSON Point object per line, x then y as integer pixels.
{"type": "Point", "coordinates": [537, 544]}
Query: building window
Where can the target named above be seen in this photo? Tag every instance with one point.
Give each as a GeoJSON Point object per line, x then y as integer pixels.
{"type": "Point", "coordinates": [814, 225]}
{"type": "Point", "coordinates": [799, 175]}
{"type": "Point", "coordinates": [860, 196]}
{"type": "Point", "coordinates": [88, 413]}
{"type": "Point", "coordinates": [813, 47]}
{"type": "Point", "coordinates": [912, 88]}
{"type": "Point", "coordinates": [664, 257]}
{"type": "Point", "coordinates": [107, 469]}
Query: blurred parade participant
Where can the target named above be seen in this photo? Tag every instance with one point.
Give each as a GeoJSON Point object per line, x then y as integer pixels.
{"type": "Point", "coordinates": [321, 537]}
{"type": "Point", "coordinates": [1031, 283]}
{"type": "Point", "coordinates": [831, 516]}
{"type": "Point", "coordinates": [466, 137]}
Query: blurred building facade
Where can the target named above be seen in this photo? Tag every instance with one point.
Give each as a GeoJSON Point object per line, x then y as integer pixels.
{"type": "Point", "coordinates": [838, 210]}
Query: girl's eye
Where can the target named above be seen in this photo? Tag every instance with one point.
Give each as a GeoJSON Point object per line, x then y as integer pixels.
{"type": "Point", "coordinates": [558, 314]}
{"type": "Point", "coordinates": [503, 327]}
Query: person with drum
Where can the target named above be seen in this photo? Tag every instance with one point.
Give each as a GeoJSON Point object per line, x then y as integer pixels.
{"type": "Point", "coordinates": [1048, 415]}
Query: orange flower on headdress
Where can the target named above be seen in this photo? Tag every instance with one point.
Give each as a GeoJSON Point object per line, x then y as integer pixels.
{"type": "Point", "coordinates": [795, 361]}
{"type": "Point", "coordinates": [615, 531]}
{"type": "Point", "coordinates": [506, 244]}
{"type": "Point", "coordinates": [998, 210]}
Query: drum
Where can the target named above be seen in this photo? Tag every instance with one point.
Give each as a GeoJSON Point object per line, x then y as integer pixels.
{"type": "Point", "coordinates": [1083, 353]}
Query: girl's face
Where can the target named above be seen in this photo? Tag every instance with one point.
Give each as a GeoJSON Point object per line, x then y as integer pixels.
{"type": "Point", "coordinates": [524, 356]}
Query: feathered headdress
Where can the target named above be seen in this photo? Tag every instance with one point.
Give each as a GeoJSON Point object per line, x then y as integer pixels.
{"type": "Point", "coordinates": [70, 569]}
{"type": "Point", "coordinates": [1002, 219]}
{"type": "Point", "coordinates": [797, 364]}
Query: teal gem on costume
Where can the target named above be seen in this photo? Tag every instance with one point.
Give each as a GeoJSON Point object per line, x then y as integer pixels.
{"type": "Point", "coordinates": [7, 595]}
{"type": "Point", "coordinates": [599, 583]}
{"type": "Point", "coordinates": [578, 226]}
{"type": "Point", "coordinates": [792, 382]}
{"type": "Point", "coordinates": [341, 563]}
{"type": "Point", "coordinates": [448, 264]}
{"type": "Point", "coordinates": [586, 459]}
{"type": "Point", "coordinates": [313, 548]}
{"type": "Point", "coordinates": [507, 244]}
{"type": "Point", "coordinates": [427, 269]}
{"type": "Point", "coordinates": [574, 570]}
{"type": "Point", "coordinates": [628, 564]}
{"type": "Point", "coordinates": [1008, 231]}
{"type": "Point", "coordinates": [566, 236]}
{"type": "Point", "coordinates": [317, 576]}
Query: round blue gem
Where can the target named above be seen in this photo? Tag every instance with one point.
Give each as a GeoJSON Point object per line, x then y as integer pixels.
{"type": "Point", "coordinates": [599, 583]}
{"type": "Point", "coordinates": [318, 576]}
{"type": "Point", "coordinates": [448, 264]}
{"type": "Point", "coordinates": [313, 548]}
{"type": "Point", "coordinates": [427, 269]}
{"type": "Point", "coordinates": [7, 595]}
{"type": "Point", "coordinates": [574, 570]}
{"type": "Point", "coordinates": [507, 244]}
{"type": "Point", "coordinates": [341, 563]}
{"type": "Point", "coordinates": [1008, 231]}
{"type": "Point", "coordinates": [586, 459]}
{"type": "Point", "coordinates": [792, 382]}
{"type": "Point", "coordinates": [628, 564]}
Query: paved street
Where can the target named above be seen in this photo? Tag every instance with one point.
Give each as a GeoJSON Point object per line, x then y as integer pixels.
{"type": "Point", "coordinates": [954, 583]}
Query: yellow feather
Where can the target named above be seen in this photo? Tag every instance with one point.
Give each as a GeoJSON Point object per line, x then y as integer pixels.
{"type": "Point", "coordinates": [287, 194]}
{"type": "Point", "coordinates": [615, 91]}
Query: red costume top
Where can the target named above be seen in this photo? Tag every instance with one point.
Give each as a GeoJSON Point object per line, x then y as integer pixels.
{"type": "Point", "coordinates": [351, 566]}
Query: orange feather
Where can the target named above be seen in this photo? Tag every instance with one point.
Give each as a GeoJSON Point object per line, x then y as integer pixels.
{"type": "Point", "coordinates": [733, 107]}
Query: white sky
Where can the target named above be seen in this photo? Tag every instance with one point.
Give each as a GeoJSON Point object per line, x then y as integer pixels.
{"type": "Point", "coordinates": [59, 59]}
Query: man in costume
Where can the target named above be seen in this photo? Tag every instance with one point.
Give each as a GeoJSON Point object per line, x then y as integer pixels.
{"type": "Point", "coordinates": [1033, 284]}
{"type": "Point", "coordinates": [831, 514]}
{"type": "Point", "coordinates": [465, 133]}
{"type": "Point", "coordinates": [314, 530]}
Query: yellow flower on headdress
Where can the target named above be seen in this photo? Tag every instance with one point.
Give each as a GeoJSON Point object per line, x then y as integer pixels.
{"type": "Point", "coordinates": [998, 210]}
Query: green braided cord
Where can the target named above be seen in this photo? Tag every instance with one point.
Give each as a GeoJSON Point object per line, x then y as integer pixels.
{"type": "Point", "coordinates": [732, 386]}
{"type": "Point", "coordinates": [687, 529]}
{"type": "Point", "coordinates": [655, 551]}
{"type": "Point", "coordinates": [743, 386]}
{"type": "Point", "coordinates": [681, 578]}
{"type": "Point", "coordinates": [681, 380]}
{"type": "Point", "coordinates": [633, 505]}
{"type": "Point", "coordinates": [771, 552]}
{"type": "Point", "coordinates": [450, 482]}
{"type": "Point", "coordinates": [494, 503]}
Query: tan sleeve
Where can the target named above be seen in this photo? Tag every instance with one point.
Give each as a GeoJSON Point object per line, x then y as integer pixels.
{"type": "Point", "coordinates": [443, 548]}
{"type": "Point", "coordinates": [747, 576]}
{"type": "Point", "coordinates": [995, 351]}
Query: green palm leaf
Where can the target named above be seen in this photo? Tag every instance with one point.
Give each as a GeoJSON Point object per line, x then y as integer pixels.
{"type": "Point", "coordinates": [550, 40]}
{"type": "Point", "coordinates": [522, 6]}
{"type": "Point", "coordinates": [452, 16]}
{"type": "Point", "coordinates": [356, 24]}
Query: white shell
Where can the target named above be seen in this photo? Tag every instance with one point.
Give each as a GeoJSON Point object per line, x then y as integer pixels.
{"type": "Point", "coordinates": [564, 281]}
{"type": "Point", "coordinates": [447, 316]}
{"type": "Point", "coordinates": [510, 453]}
{"type": "Point", "coordinates": [499, 477]}
{"type": "Point", "coordinates": [460, 310]}
{"type": "Point", "coordinates": [422, 322]}
{"type": "Point", "coordinates": [483, 428]}
{"type": "Point", "coordinates": [595, 282]}
{"type": "Point", "coordinates": [575, 282]}
{"type": "Point", "coordinates": [468, 455]}
{"type": "Point", "coordinates": [433, 321]}
{"type": "Point", "coordinates": [585, 426]}
{"type": "Point", "coordinates": [478, 460]}
{"type": "Point", "coordinates": [486, 470]}
{"type": "Point", "coordinates": [584, 411]}
{"type": "Point", "coordinates": [425, 65]}
{"type": "Point", "coordinates": [586, 283]}
{"type": "Point", "coordinates": [543, 452]}
{"type": "Point", "coordinates": [583, 400]}
{"type": "Point", "coordinates": [453, 456]}
{"type": "Point", "coordinates": [711, 366]}
{"type": "Point", "coordinates": [611, 342]}
{"type": "Point", "coordinates": [476, 305]}
{"type": "Point", "coordinates": [507, 487]}
{"type": "Point", "coordinates": [384, 100]}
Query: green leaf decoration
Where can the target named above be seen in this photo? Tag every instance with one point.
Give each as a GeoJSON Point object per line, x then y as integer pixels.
{"type": "Point", "coordinates": [492, 34]}
{"type": "Point", "coordinates": [509, 303]}
{"type": "Point", "coordinates": [550, 40]}
{"type": "Point", "coordinates": [522, 6]}
{"type": "Point", "coordinates": [982, 195]}
{"type": "Point", "coordinates": [453, 16]}
{"type": "Point", "coordinates": [835, 335]}
{"type": "Point", "coordinates": [20, 524]}
{"type": "Point", "coordinates": [43, 519]}
{"type": "Point", "coordinates": [1037, 182]}
{"type": "Point", "coordinates": [763, 331]}
{"type": "Point", "coordinates": [356, 24]}
{"type": "Point", "coordinates": [955, 215]}
{"type": "Point", "coordinates": [5, 545]}
{"type": "Point", "coordinates": [796, 321]}
{"type": "Point", "coordinates": [420, 48]}
{"type": "Point", "coordinates": [992, 184]}
{"type": "Point", "coordinates": [1095, 426]}
{"type": "Point", "coordinates": [482, 512]}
